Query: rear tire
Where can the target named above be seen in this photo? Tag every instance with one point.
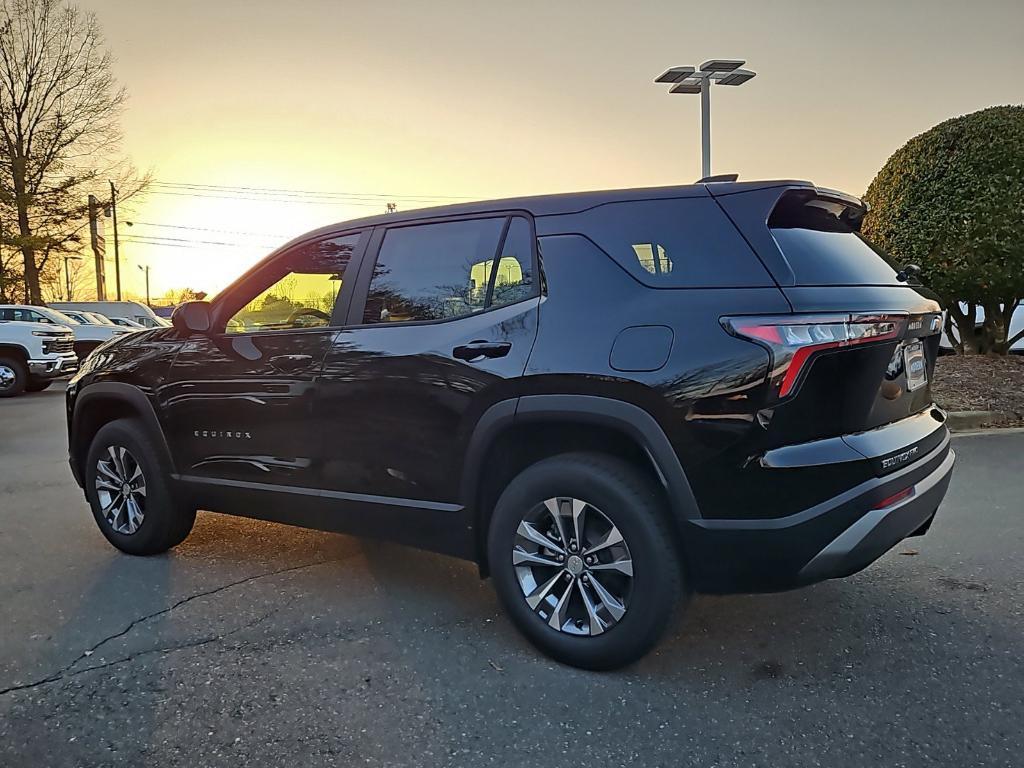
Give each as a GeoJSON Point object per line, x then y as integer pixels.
{"type": "Point", "coordinates": [127, 485]}
{"type": "Point", "coordinates": [13, 376]}
{"type": "Point", "coordinates": [611, 619]}
{"type": "Point", "coordinates": [38, 385]}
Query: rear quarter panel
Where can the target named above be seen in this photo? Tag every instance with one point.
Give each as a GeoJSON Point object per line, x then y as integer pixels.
{"type": "Point", "coordinates": [705, 397]}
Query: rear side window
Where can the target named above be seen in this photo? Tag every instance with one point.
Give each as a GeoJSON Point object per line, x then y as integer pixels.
{"type": "Point", "coordinates": [676, 243]}
{"type": "Point", "coordinates": [434, 271]}
{"type": "Point", "coordinates": [822, 248]}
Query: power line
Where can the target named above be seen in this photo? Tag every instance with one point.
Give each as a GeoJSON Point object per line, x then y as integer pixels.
{"type": "Point", "coordinates": [315, 193]}
{"type": "Point", "coordinates": [241, 197]}
{"type": "Point", "coordinates": [152, 240]}
{"type": "Point", "coordinates": [208, 229]}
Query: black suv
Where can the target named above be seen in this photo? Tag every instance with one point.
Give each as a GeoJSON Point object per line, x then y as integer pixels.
{"type": "Point", "coordinates": [604, 399]}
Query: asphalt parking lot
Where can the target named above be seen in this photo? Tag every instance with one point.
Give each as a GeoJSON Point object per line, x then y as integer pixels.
{"type": "Point", "coordinates": [261, 645]}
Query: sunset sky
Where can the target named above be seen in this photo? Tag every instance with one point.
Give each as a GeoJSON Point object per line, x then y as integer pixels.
{"type": "Point", "coordinates": [421, 102]}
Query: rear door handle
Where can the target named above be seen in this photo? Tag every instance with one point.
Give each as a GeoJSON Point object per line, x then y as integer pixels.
{"type": "Point", "coordinates": [291, 363]}
{"type": "Point", "coordinates": [476, 350]}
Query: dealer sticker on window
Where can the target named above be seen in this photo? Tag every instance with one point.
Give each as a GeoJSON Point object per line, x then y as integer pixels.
{"type": "Point", "coordinates": [915, 365]}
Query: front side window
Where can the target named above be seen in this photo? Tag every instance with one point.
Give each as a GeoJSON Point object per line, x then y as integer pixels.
{"type": "Point", "coordinates": [433, 271]}
{"type": "Point", "coordinates": [37, 317]}
{"type": "Point", "coordinates": [300, 292]}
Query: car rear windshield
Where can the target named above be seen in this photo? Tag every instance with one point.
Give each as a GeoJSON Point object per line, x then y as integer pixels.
{"type": "Point", "coordinates": [823, 248]}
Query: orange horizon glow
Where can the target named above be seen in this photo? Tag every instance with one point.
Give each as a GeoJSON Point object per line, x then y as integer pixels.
{"type": "Point", "coordinates": [458, 100]}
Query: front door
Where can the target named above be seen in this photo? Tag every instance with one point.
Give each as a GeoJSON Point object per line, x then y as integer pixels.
{"type": "Point", "coordinates": [239, 403]}
{"type": "Point", "coordinates": [442, 324]}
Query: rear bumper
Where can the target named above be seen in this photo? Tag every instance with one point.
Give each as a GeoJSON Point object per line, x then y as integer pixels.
{"type": "Point", "coordinates": [835, 538]}
{"type": "Point", "coordinates": [879, 530]}
{"type": "Point", "coordinates": [52, 368]}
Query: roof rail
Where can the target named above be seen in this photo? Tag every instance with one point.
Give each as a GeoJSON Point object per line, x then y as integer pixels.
{"type": "Point", "coordinates": [719, 177]}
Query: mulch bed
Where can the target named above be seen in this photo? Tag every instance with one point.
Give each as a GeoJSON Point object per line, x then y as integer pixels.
{"type": "Point", "coordinates": [979, 383]}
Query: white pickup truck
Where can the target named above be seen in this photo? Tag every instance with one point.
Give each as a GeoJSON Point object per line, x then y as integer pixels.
{"type": "Point", "coordinates": [32, 355]}
{"type": "Point", "coordinates": [88, 336]}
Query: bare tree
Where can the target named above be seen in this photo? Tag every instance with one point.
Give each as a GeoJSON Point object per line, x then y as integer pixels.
{"type": "Point", "coordinates": [59, 111]}
{"type": "Point", "coordinates": [69, 279]}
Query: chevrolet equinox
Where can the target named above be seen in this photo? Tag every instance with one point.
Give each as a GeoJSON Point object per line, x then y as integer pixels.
{"type": "Point", "coordinates": [607, 400]}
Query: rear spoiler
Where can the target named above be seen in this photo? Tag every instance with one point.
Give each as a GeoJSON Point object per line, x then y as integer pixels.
{"type": "Point", "coordinates": [853, 208]}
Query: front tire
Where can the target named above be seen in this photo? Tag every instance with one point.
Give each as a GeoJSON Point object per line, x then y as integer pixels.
{"type": "Point", "coordinates": [584, 560]}
{"type": "Point", "coordinates": [127, 486]}
{"type": "Point", "coordinates": [13, 377]}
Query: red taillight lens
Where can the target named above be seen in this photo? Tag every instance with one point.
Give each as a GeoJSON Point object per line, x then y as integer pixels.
{"type": "Point", "coordinates": [906, 493]}
{"type": "Point", "coordinates": [793, 339]}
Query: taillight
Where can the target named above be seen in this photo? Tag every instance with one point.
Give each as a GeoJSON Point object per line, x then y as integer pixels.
{"type": "Point", "coordinates": [794, 339]}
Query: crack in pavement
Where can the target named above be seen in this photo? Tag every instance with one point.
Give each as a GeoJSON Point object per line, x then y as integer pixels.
{"type": "Point", "coordinates": [63, 671]}
{"type": "Point", "coordinates": [171, 648]}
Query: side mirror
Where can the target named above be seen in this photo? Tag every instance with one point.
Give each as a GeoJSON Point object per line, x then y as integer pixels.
{"type": "Point", "coordinates": [192, 317]}
{"type": "Point", "coordinates": [908, 273]}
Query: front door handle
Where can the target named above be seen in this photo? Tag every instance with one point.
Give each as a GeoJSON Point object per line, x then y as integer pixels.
{"type": "Point", "coordinates": [291, 363]}
{"type": "Point", "coordinates": [475, 350]}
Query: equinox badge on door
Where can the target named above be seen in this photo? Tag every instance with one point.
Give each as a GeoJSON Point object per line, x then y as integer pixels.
{"type": "Point", "coordinates": [222, 433]}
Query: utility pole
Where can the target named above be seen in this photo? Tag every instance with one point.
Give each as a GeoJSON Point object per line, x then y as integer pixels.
{"type": "Point", "coordinates": [117, 254]}
{"type": "Point", "coordinates": [99, 247]}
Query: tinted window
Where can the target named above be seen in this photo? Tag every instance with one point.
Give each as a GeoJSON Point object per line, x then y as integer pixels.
{"type": "Point", "coordinates": [434, 271]}
{"type": "Point", "coordinates": [822, 248]}
{"type": "Point", "coordinates": [299, 293]}
{"type": "Point", "coordinates": [678, 243]}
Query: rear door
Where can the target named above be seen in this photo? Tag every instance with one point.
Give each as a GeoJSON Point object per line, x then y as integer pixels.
{"type": "Point", "coordinates": [442, 324]}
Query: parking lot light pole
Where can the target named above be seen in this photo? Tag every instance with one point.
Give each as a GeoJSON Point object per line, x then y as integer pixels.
{"type": "Point", "coordinates": [692, 80]}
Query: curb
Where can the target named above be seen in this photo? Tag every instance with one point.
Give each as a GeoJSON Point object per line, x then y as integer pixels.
{"type": "Point", "coordinates": [968, 421]}
{"type": "Point", "coordinates": [988, 431]}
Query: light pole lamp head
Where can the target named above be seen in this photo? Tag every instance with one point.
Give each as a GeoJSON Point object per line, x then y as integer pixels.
{"type": "Point", "coordinates": [736, 77]}
{"type": "Point", "coordinates": [721, 65]}
{"type": "Point", "coordinates": [674, 75]}
{"type": "Point", "coordinates": [687, 86]}
{"type": "Point", "coordinates": [711, 72]}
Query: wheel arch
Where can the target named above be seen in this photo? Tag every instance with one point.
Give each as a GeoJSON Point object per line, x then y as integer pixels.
{"type": "Point", "coordinates": [17, 350]}
{"type": "Point", "coordinates": [99, 404]}
{"type": "Point", "coordinates": [512, 434]}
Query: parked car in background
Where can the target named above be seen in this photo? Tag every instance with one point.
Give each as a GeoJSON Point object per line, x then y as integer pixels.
{"type": "Point", "coordinates": [88, 336]}
{"type": "Point", "coordinates": [32, 355]}
{"type": "Point", "coordinates": [130, 310]}
{"type": "Point", "coordinates": [86, 318]}
{"type": "Point", "coordinates": [124, 322]}
{"type": "Point", "coordinates": [101, 319]}
{"type": "Point", "coordinates": [1016, 326]}
{"type": "Point", "coordinates": [716, 388]}
{"type": "Point", "coordinates": [165, 311]}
